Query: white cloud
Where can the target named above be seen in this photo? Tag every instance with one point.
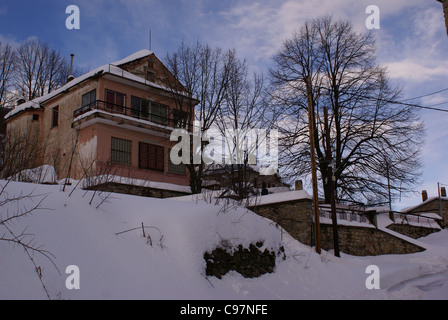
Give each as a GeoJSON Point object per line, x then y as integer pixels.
{"type": "Point", "coordinates": [10, 40]}
{"type": "Point", "coordinates": [417, 70]}
{"type": "Point", "coordinates": [257, 29]}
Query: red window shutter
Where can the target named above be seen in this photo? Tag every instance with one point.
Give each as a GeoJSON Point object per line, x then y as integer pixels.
{"type": "Point", "coordinates": [151, 157]}
{"type": "Point", "coordinates": [143, 155]}
{"type": "Point", "coordinates": [159, 159]}
{"type": "Point", "coordinates": [120, 100]}
{"type": "Point", "coordinates": [110, 97]}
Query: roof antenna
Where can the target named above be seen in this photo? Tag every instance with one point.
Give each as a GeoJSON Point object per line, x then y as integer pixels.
{"type": "Point", "coordinates": [150, 40]}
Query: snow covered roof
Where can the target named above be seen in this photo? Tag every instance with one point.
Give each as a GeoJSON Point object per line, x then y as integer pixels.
{"type": "Point", "coordinates": [280, 197]}
{"type": "Point", "coordinates": [112, 68]}
{"type": "Point", "coordinates": [408, 209]}
{"type": "Point", "coordinates": [135, 56]}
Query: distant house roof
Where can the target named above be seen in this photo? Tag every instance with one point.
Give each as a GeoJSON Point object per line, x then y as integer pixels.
{"type": "Point", "coordinates": [431, 199]}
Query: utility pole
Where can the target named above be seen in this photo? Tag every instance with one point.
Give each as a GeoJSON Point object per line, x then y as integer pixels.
{"type": "Point", "coordinates": [309, 93]}
{"type": "Point", "coordinates": [331, 186]}
{"type": "Point", "coordinates": [388, 184]}
{"type": "Point", "coordinates": [440, 199]}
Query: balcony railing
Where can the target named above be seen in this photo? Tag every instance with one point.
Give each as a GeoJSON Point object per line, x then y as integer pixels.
{"type": "Point", "coordinates": [111, 108]}
{"type": "Point", "coordinates": [425, 218]}
{"type": "Point", "coordinates": [352, 214]}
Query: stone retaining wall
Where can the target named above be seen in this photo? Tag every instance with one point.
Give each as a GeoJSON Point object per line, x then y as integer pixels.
{"type": "Point", "coordinates": [411, 231]}
{"type": "Point", "coordinates": [293, 216]}
{"type": "Point", "coordinates": [137, 190]}
{"type": "Point", "coordinates": [296, 218]}
{"type": "Point", "coordinates": [360, 241]}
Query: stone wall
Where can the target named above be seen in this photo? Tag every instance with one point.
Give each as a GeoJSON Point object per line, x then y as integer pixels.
{"type": "Point", "coordinates": [296, 218]}
{"type": "Point", "coordinates": [411, 231]}
{"type": "Point", "coordinates": [293, 216]}
{"type": "Point", "coordinates": [360, 241]}
{"type": "Point", "coordinates": [137, 190]}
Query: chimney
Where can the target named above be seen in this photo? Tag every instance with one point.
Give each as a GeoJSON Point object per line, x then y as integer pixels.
{"type": "Point", "coordinates": [71, 77]}
{"type": "Point", "coordinates": [298, 185]}
{"type": "Point", "coordinates": [424, 195]}
{"type": "Point", "coordinates": [443, 192]}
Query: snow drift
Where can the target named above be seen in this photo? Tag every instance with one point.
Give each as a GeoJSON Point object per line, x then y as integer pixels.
{"type": "Point", "coordinates": [101, 234]}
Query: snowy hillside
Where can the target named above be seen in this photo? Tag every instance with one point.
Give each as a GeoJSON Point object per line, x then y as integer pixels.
{"type": "Point", "coordinates": [105, 241]}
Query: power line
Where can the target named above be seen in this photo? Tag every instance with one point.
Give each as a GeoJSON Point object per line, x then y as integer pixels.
{"type": "Point", "coordinates": [405, 103]}
{"type": "Point", "coordinates": [438, 104]}
{"type": "Point", "coordinates": [427, 95]}
{"type": "Point", "coordinates": [412, 105]}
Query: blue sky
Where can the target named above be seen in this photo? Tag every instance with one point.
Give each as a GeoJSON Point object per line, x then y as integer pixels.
{"type": "Point", "coordinates": [411, 41]}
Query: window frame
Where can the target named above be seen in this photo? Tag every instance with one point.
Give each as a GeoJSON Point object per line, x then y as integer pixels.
{"type": "Point", "coordinates": [181, 119]}
{"type": "Point", "coordinates": [114, 106]}
{"type": "Point", "coordinates": [138, 106]}
{"type": "Point", "coordinates": [89, 95]}
{"type": "Point", "coordinates": [120, 155]}
{"type": "Point", "coordinates": [176, 168]}
{"type": "Point", "coordinates": [55, 117]}
{"type": "Point", "coordinates": [159, 118]}
{"type": "Point", "coordinates": [151, 157]}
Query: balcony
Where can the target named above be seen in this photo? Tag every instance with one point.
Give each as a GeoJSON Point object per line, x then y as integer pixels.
{"type": "Point", "coordinates": [123, 114]}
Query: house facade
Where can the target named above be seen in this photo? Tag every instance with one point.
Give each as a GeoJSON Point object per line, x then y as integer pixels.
{"type": "Point", "coordinates": [115, 120]}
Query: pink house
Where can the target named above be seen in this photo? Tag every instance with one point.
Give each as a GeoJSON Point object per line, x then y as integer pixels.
{"type": "Point", "coordinates": [115, 120]}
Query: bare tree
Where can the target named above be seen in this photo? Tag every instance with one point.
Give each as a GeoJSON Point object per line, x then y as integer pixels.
{"type": "Point", "coordinates": [241, 112]}
{"type": "Point", "coordinates": [21, 151]}
{"type": "Point", "coordinates": [375, 141]}
{"type": "Point", "coordinates": [6, 72]}
{"type": "Point", "coordinates": [10, 232]}
{"type": "Point", "coordinates": [40, 69]}
{"type": "Point", "coordinates": [6, 77]}
{"type": "Point", "coordinates": [204, 75]}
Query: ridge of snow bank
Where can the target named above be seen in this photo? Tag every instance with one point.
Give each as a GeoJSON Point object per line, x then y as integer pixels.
{"type": "Point", "coordinates": [171, 265]}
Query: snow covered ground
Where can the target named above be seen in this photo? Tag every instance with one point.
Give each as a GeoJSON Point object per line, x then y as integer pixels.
{"type": "Point", "coordinates": [168, 263]}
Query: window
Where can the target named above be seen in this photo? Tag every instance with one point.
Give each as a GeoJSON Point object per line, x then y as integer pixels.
{"type": "Point", "coordinates": [159, 113]}
{"type": "Point", "coordinates": [35, 117]}
{"type": "Point", "coordinates": [175, 168]}
{"type": "Point", "coordinates": [180, 119]}
{"type": "Point", "coordinates": [120, 151]}
{"type": "Point", "coordinates": [55, 116]}
{"type": "Point", "coordinates": [151, 157]}
{"type": "Point", "coordinates": [115, 101]}
{"type": "Point", "coordinates": [140, 107]}
{"type": "Point", "coordinates": [89, 98]}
